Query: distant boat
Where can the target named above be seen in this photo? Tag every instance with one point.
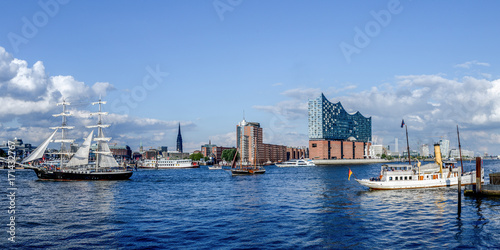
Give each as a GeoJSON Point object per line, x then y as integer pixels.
{"type": "Point", "coordinates": [78, 167]}
{"type": "Point", "coordinates": [295, 163]}
{"type": "Point", "coordinates": [407, 176]}
{"type": "Point", "coordinates": [169, 164]}
{"type": "Point", "coordinates": [245, 169]}
{"type": "Point", "coordinates": [215, 167]}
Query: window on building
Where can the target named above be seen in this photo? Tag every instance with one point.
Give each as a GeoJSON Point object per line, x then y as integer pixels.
{"type": "Point", "coordinates": [314, 145]}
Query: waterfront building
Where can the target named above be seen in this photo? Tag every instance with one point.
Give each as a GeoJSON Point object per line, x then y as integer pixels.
{"type": "Point", "coordinates": [21, 150]}
{"type": "Point", "coordinates": [455, 153]}
{"type": "Point", "coordinates": [445, 148]}
{"type": "Point", "coordinates": [336, 134]}
{"type": "Point", "coordinates": [297, 153]}
{"type": "Point", "coordinates": [163, 151]}
{"type": "Point", "coordinates": [179, 140]}
{"type": "Point", "coordinates": [376, 151]}
{"type": "Point", "coordinates": [414, 153]}
{"type": "Point", "coordinates": [251, 148]}
{"type": "Point", "coordinates": [424, 150]}
{"type": "Point", "coordinates": [213, 151]}
{"type": "Point", "coordinates": [121, 152]}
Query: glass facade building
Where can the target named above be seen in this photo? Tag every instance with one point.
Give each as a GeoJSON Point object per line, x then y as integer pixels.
{"type": "Point", "coordinates": [329, 121]}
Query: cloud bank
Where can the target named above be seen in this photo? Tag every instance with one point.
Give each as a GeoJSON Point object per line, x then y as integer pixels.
{"type": "Point", "coordinates": [432, 106]}
{"type": "Point", "coordinates": [28, 97]}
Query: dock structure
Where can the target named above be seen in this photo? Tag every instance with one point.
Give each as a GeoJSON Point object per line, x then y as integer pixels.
{"type": "Point", "coordinates": [491, 189]}
{"type": "Point", "coordinates": [349, 161]}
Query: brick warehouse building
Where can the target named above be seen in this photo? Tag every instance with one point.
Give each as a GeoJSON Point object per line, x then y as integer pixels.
{"type": "Point", "coordinates": [336, 134]}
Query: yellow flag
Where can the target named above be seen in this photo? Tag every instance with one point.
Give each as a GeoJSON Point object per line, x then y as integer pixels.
{"type": "Point", "coordinates": [350, 172]}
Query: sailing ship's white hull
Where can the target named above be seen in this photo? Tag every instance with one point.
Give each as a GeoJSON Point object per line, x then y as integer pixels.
{"type": "Point", "coordinates": [467, 179]}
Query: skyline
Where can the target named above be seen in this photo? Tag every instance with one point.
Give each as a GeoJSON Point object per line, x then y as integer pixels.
{"type": "Point", "coordinates": [202, 65]}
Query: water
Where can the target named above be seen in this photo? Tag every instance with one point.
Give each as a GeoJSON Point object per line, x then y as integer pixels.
{"type": "Point", "coordinates": [308, 207]}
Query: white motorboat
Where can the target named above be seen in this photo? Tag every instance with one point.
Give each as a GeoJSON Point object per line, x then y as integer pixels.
{"type": "Point", "coordinates": [296, 163]}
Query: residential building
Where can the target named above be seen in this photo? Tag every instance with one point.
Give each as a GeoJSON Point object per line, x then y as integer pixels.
{"type": "Point", "coordinates": [445, 148]}
{"type": "Point", "coordinates": [251, 148]}
{"type": "Point", "coordinates": [213, 151]}
{"type": "Point", "coordinates": [424, 150]}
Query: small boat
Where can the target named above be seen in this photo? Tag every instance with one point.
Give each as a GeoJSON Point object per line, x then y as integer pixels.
{"type": "Point", "coordinates": [215, 167]}
{"type": "Point", "coordinates": [162, 163]}
{"type": "Point", "coordinates": [78, 167]}
{"type": "Point", "coordinates": [295, 163]}
{"type": "Point", "coordinates": [407, 176]}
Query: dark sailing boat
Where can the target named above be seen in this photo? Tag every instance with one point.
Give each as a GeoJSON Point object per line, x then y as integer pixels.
{"type": "Point", "coordinates": [78, 167]}
{"type": "Point", "coordinates": [245, 169]}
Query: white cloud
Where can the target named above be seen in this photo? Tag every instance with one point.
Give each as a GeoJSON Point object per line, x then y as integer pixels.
{"type": "Point", "coordinates": [224, 140]}
{"type": "Point", "coordinates": [101, 88]}
{"type": "Point", "coordinates": [469, 64]}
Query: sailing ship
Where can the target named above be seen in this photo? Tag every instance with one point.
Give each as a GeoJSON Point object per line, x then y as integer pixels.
{"type": "Point", "coordinates": [245, 169]}
{"type": "Point", "coordinates": [77, 166]}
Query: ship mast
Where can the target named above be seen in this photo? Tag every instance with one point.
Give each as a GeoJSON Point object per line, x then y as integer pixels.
{"type": "Point", "coordinates": [63, 128]}
{"type": "Point", "coordinates": [100, 136]}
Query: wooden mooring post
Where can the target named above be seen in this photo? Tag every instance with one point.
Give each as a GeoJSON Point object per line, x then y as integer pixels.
{"type": "Point", "coordinates": [460, 170]}
{"type": "Point", "coordinates": [478, 175]}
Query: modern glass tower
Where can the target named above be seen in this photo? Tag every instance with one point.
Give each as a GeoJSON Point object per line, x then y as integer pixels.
{"type": "Point", "coordinates": [329, 121]}
{"type": "Point", "coordinates": [179, 140]}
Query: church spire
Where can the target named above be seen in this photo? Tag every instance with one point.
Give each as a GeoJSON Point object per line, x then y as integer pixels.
{"type": "Point", "coordinates": [179, 140]}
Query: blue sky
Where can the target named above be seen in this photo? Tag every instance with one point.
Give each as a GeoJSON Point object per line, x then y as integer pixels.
{"type": "Point", "coordinates": [431, 63]}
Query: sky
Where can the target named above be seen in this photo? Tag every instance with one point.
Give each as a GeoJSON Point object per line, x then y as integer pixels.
{"type": "Point", "coordinates": [206, 64]}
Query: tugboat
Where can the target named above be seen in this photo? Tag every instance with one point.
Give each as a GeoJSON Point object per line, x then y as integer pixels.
{"type": "Point", "coordinates": [78, 167]}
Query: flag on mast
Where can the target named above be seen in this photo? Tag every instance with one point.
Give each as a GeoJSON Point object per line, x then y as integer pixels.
{"type": "Point", "coordinates": [403, 123]}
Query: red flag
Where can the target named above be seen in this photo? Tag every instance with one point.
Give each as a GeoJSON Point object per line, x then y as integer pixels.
{"type": "Point", "coordinates": [350, 172]}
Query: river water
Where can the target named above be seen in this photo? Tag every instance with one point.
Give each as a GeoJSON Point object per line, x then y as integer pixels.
{"type": "Point", "coordinates": [306, 207]}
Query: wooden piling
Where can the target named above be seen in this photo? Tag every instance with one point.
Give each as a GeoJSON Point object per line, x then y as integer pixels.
{"type": "Point", "coordinates": [460, 170]}
{"type": "Point", "coordinates": [478, 175]}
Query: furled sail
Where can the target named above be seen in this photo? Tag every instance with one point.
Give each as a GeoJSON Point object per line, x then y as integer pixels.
{"type": "Point", "coordinates": [81, 156]}
{"type": "Point", "coordinates": [40, 150]}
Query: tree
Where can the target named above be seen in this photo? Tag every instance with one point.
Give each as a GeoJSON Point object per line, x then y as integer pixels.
{"type": "Point", "coordinates": [196, 157]}
{"type": "Point", "coordinates": [228, 154]}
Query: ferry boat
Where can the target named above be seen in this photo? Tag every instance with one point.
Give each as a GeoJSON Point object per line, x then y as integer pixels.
{"type": "Point", "coordinates": [166, 164]}
{"type": "Point", "coordinates": [295, 163]}
{"type": "Point", "coordinates": [76, 166]}
{"type": "Point", "coordinates": [407, 176]}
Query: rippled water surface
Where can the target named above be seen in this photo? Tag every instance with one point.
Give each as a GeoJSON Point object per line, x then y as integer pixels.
{"type": "Point", "coordinates": [308, 207]}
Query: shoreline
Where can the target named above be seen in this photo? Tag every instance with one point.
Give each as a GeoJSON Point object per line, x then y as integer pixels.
{"type": "Point", "coordinates": [349, 161]}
